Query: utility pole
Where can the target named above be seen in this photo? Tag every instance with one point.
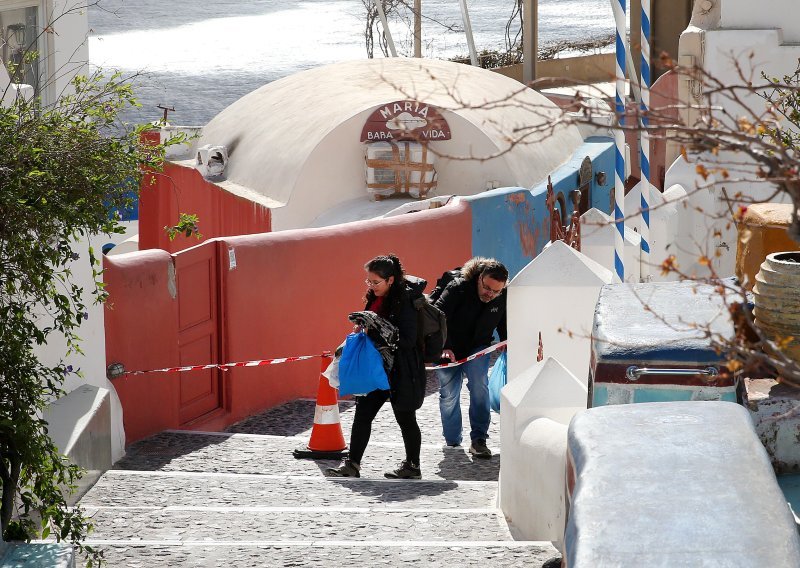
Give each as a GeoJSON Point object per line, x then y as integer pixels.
{"type": "Point", "coordinates": [417, 28]}
{"type": "Point", "coordinates": [530, 39]}
{"type": "Point", "coordinates": [166, 109]}
{"type": "Point", "coordinates": [386, 31]}
{"type": "Point", "coordinates": [473, 54]}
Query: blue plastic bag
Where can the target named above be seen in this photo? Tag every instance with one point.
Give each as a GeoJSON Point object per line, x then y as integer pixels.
{"type": "Point", "coordinates": [361, 366]}
{"type": "Point", "coordinates": [497, 380]}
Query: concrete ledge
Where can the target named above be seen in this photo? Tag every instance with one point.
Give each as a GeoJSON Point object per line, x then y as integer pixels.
{"type": "Point", "coordinates": [674, 484]}
{"type": "Point", "coordinates": [79, 424]}
{"type": "Point", "coordinates": [534, 412]}
{"type": "Point", "coordinates": [25, 555]}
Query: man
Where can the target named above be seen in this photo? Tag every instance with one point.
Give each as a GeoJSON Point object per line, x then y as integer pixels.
{"type": "Point", "coordinates": [475, 305]}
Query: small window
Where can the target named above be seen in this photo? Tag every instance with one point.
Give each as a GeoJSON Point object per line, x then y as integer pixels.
{"type": "Point", "coordinates": [399, 168]}
{"type": "Point", "coordinates": [384, 176]}
{"type": "Point", "coordinates": [20, 36]}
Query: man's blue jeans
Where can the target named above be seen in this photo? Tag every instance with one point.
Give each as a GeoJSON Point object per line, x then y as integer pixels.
{"type": "Point", "coordinates": [477, 373]}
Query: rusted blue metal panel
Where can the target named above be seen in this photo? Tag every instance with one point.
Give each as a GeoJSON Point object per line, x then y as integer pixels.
{"type": "Point", "coordinates": [650, 343]}
{"type": "Point", "coordinates": [513, 224]}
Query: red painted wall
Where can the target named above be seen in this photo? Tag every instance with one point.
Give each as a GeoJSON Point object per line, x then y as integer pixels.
{"type": "Point", "coordinates": [141, 326]}
{"type": "Point", "coordinates": [664, 97]}
{"type": "Point", "coordinates": [179, 189]}
{"type": "Point", "coordinates": [291, 291]}
{"type": "Point", "coordinates": [663, 102]}
{"type": "Point", "coordinates": [289, 294]}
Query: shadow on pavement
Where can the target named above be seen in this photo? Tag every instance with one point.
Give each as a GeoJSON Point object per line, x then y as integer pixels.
{"type": "Point", "coordinates": [457, 464]}
{"type": "Point", "coordinates": [289, 419]}
{"type": "Point", "coordinates": [396, 492]}
{"type": "Point", "coordinates": [152, 454]}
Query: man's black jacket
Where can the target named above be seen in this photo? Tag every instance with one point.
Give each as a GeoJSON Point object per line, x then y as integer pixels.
{"type": "Point", "coordinates": [470, 322]}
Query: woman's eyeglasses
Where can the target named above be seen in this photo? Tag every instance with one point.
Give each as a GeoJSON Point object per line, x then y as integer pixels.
{"type": "Point", "coordinates": [373, 283]}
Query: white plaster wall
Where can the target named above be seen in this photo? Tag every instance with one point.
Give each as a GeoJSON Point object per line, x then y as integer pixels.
{"type": "Point", "coordinates": [555, 294]}
{"type": "Point", "coordinates": [532, 493]}
{"type": "Point", "coordinates": [80, 427]}
{"type": "Point", "coordinates": [746, 40]}
{"type": "Point", "coordinates": [92, 363]}
{"type": "Point", "coordinates": [69, 55]}
{"type": "Point", "coordinates": [535, 411]}
{"type": "Point", "coordinates": [773, 55]}
{"type": "Point", "coordinates": [664, 220]}
{"type": "Point", "coordinates": [669, 222]}
{"type": "Point", "coordinates": [597, 242]}
{"type": "Point", "coordinates": [130, 238]}
{"type": "Point", "coordinates": [737, 56]}
{"type": "Point", "coordinates": [704, 223]}
{"type": "Point", "coordinates": [70, 22]}
{"type": "Point", "coordinates": [336, 170]}
{"type": "Point", "coordinates": [130, 244]}
{"type": "Point", "coordinates": [771, 14]}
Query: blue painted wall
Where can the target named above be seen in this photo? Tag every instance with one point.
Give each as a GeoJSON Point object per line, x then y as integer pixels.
{"type": "Point", "coordinates": [600, 150]}
{"type": "Point", "coordinates": [511, 224]}
{"type": "Point", "coordinates": [130, 211]}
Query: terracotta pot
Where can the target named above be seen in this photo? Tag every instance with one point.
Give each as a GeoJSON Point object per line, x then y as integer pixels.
{"type": "Point", "coordinates": [776, 296]}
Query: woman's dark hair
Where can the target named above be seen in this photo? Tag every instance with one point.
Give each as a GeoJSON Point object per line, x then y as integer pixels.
{"type": "Point", "coordinates": [386, 266]}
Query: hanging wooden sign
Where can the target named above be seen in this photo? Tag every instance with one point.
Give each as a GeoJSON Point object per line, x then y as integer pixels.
{"type": "Point", "coordinates": [405, 120]}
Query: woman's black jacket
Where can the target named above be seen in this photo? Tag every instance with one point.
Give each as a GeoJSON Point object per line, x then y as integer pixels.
{"type": "Point", "coordinates": [407, 378]}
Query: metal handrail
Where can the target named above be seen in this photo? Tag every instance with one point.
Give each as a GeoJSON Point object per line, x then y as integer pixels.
{"type": "Point", "coordinates": [633, 372]}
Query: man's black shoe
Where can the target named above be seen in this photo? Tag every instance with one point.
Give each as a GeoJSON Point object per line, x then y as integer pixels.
{"type": "Point", "coordinates": [479, 450]}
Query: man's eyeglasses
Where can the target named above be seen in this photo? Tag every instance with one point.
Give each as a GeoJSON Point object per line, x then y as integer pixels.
{"type": "Point", "coordinates": [491, 291]}
{"type": "Point", "coordinates": [373, 283]}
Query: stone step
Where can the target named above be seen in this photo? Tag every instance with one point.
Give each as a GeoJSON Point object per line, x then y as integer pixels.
{"type": "Point", "coordinates": [332, 554]}
{"type": "Point", "coordinates": [166, 490]}
{"type": "Point", "coordinates": [221, 452]}
{"type": "Point", "coordinates": [287, 525]}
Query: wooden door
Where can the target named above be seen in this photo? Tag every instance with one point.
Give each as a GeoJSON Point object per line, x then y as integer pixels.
{"type": "Point", "coordinates": [198, 330]}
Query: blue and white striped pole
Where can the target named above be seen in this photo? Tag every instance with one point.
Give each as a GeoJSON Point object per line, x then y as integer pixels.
{"type": "Point", "coordinates": [645, 141]}
{"type": "Point", "coordinates": [619, 139]}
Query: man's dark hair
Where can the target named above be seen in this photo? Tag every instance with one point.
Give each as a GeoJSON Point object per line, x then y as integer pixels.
{"type": "Point", "coordinates": [495, 269]}
{"type": "Point", "coordinates": [479, 266]}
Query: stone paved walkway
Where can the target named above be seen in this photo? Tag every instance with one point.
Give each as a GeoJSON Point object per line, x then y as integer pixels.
{"type": "Point", "coordinates": [239, 498]}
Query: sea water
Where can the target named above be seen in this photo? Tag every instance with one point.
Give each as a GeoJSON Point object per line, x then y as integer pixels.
{"type": "Point", "coordinates": [199, 57]}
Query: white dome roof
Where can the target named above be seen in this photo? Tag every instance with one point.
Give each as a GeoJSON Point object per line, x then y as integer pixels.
{"type": "Point", "coordinates": [271, 132]}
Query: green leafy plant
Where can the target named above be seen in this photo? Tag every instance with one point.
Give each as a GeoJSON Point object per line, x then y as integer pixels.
{"type": "Point", "coordinates": [63, 168]}
{"type": "Point", "coordinates": [187, 226]}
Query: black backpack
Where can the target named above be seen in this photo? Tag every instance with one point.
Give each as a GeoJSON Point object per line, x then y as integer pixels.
{"type": "Point", "coordinates": [442, 283]}
{"type": "Point", "coordinates": [431, 322]}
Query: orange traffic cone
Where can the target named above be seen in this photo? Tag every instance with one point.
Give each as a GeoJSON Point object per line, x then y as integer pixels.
{"type": "Point", "coordinates": [327, 441]}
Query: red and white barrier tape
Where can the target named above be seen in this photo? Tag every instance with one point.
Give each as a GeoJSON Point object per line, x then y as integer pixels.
{"type": "Point", "coordinates": [279, 360]}
{"type": "Point", "coordinates": [480, 353]}
{"type": "Point", "coordinates": [257, 363]}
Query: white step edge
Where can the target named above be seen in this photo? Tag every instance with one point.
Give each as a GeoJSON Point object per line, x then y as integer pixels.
{"type": "Point", "coordinates": [260, 476]}
{"type": "Point", "coordinates": [441, 446]}
{"type": "Point", "coordinates": [264, 509]}
{"type": "Point", "coordinates": [322, 543]}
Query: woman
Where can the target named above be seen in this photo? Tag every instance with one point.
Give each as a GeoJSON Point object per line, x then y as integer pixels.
{"type": "Point", "coordinates": [390, 296]}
